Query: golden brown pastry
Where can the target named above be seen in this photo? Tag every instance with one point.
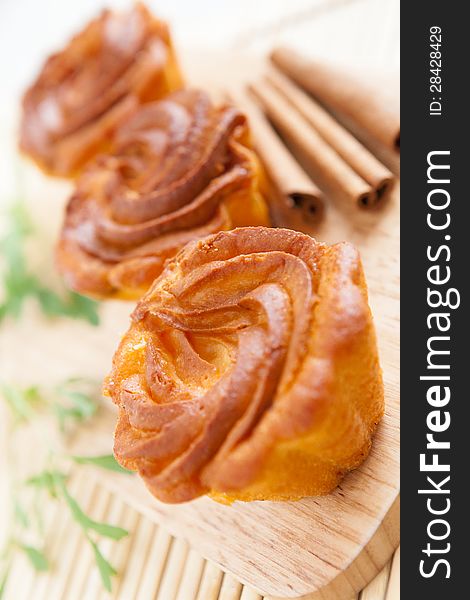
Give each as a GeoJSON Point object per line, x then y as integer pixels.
{"type": "Point", "coordinates": [118, 61]}
{"type": "Point", "coordinates": [250, 370]}
{"type": "Point", "coordinates": [180, 169]}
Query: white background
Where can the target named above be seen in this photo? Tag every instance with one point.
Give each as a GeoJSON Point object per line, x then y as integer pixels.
{"type": "Point", "coordinates": [364, 32]}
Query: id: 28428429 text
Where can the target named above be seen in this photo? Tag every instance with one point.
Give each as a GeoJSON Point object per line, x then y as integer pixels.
{"type": "Point", "coordinates": [435, 68]}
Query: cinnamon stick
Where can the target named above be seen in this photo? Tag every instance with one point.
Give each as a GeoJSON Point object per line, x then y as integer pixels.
{"type": "Point", "coordinates": [294, 191]}
{"type": "Point", "coordinates": [367, 106]}
{"type": "Point", "coordinates": [334, 172]}
{"type": "Point", "coordinates": [346, 145]}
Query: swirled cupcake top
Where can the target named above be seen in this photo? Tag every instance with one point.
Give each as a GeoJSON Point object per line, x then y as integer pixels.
{"type": "Point", "coordinates": [231, 351]}
{"type": "Point", "coordinates": [83, 91]}
{"type": "Point", "coordinates": [174, 167]}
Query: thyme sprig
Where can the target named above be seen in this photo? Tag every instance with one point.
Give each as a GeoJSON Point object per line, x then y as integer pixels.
{"type": "Point", "coordinates": [70, 403]}
{"type": "Point", "coordinates": [19, 283]}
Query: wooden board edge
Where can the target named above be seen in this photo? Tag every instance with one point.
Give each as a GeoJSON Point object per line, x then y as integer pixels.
{"type": "Point", "coordinates": [346, 585]}
{"type": "Point", "coordinates": [367, 564]}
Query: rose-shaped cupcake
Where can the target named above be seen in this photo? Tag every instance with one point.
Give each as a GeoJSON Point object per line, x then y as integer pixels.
{"type": "Point", "coordinates": [118, 61]}
{"type": "Point", "coordinates": [250, 370]}
{"type": "Point", "coordinates": [180, 169]}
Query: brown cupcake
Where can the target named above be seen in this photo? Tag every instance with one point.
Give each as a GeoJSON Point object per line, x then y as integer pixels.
{"type": "Point", "coordinates": [250, 370]}
{"type": "Point", "coordinates": [84, 91]}
{"type": "Point", "coordinates": [180, 169]}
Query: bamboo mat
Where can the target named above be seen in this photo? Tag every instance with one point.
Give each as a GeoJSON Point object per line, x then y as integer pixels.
{"type": "Point", "coordinates": [151, 564]}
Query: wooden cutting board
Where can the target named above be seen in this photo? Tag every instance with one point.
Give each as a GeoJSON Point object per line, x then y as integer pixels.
{"type": "Point", "coordinates": [331, 545]}
{"type": "Point", "coordinates": [323, 548]}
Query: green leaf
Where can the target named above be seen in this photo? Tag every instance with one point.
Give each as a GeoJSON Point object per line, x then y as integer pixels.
{"type": "Point", "coordinates": [73, 305]}
{"type": "Point", "coordinates": [80, 307]}
{"type": "Point", "coordinates": [12, 306]}
{"type": "Point", "coordinates": [21, 401]}
{"type": "Point", "coordinates": [36, 557]}
{"type": "Point", "coordinates": [66, 401]}
{"type": "Point", "coordinates": [3, 313]}
{"type": "Point", "coordinates": [51, 303]}
{"type": "Point", "coordinates": [19, 283]}
{"type": "Point", "coordinates": [37, 515]}
{"type": "Point", "coordinates": [3, 580]}
{"type": "Point", "coordinates": [80, 407]}
{"type": "Point", "coordinates": [17, 401]}
{"type": "Point", "coordinates": [20, 514]}
{"type": "Point", "coordinates": [109, 531]}
{"type": "Point", "coordinates": [106, 461]}
{"type": "Point", "coordinates": [48, 480]}
{"type": "Point", "coordinates": [105, 568]}
{"type": "Point", "coordinates": [73, 405]}
{"type": "Point", "coordinates": [76, 380]}
{"type": "Point", "coordinates": [20, 220]}
{"type": "Point", "coordinates": [33, 395]}
{"type": "Point", "coordinates": [83, 404]}
{"type": "Point", "coordinates": [61, 415]}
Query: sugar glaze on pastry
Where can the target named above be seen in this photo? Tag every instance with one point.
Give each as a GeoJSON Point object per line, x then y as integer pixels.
{"type": "Point", "coordinates": [179, 169]}
{"type": "Point", "coordinates": [118, 61]}
{"type": "Point", "coordinates": [250, 370]}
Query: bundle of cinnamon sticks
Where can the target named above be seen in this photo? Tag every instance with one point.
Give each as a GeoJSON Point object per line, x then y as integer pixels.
{"type": "Point", "coordinates": [309, 103]}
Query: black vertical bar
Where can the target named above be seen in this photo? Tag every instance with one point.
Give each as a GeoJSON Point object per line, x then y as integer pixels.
{"type": "Point", "coordinates": [426, 128]}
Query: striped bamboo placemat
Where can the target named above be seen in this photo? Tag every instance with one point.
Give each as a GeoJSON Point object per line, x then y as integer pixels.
{"type": "Point", "coordinates": [151, 564]}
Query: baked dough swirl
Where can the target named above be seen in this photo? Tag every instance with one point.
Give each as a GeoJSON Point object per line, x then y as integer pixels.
{"type": "Point", "coordinates": [250, 370]}
{"type": "Point", "coordinates": [118, 61]}
{"type": "Point", "coordinates": [180, 169]}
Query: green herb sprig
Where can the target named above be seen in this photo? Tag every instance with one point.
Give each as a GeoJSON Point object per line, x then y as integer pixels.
{"type": "Point", "coordinates": [55, 484]}
{"type": "Point", "coordinates": [106, 461]}
{"type": "Point", "coordinates": [19, 283]}
{"type": "Point", "coordinates": [71, 403]}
